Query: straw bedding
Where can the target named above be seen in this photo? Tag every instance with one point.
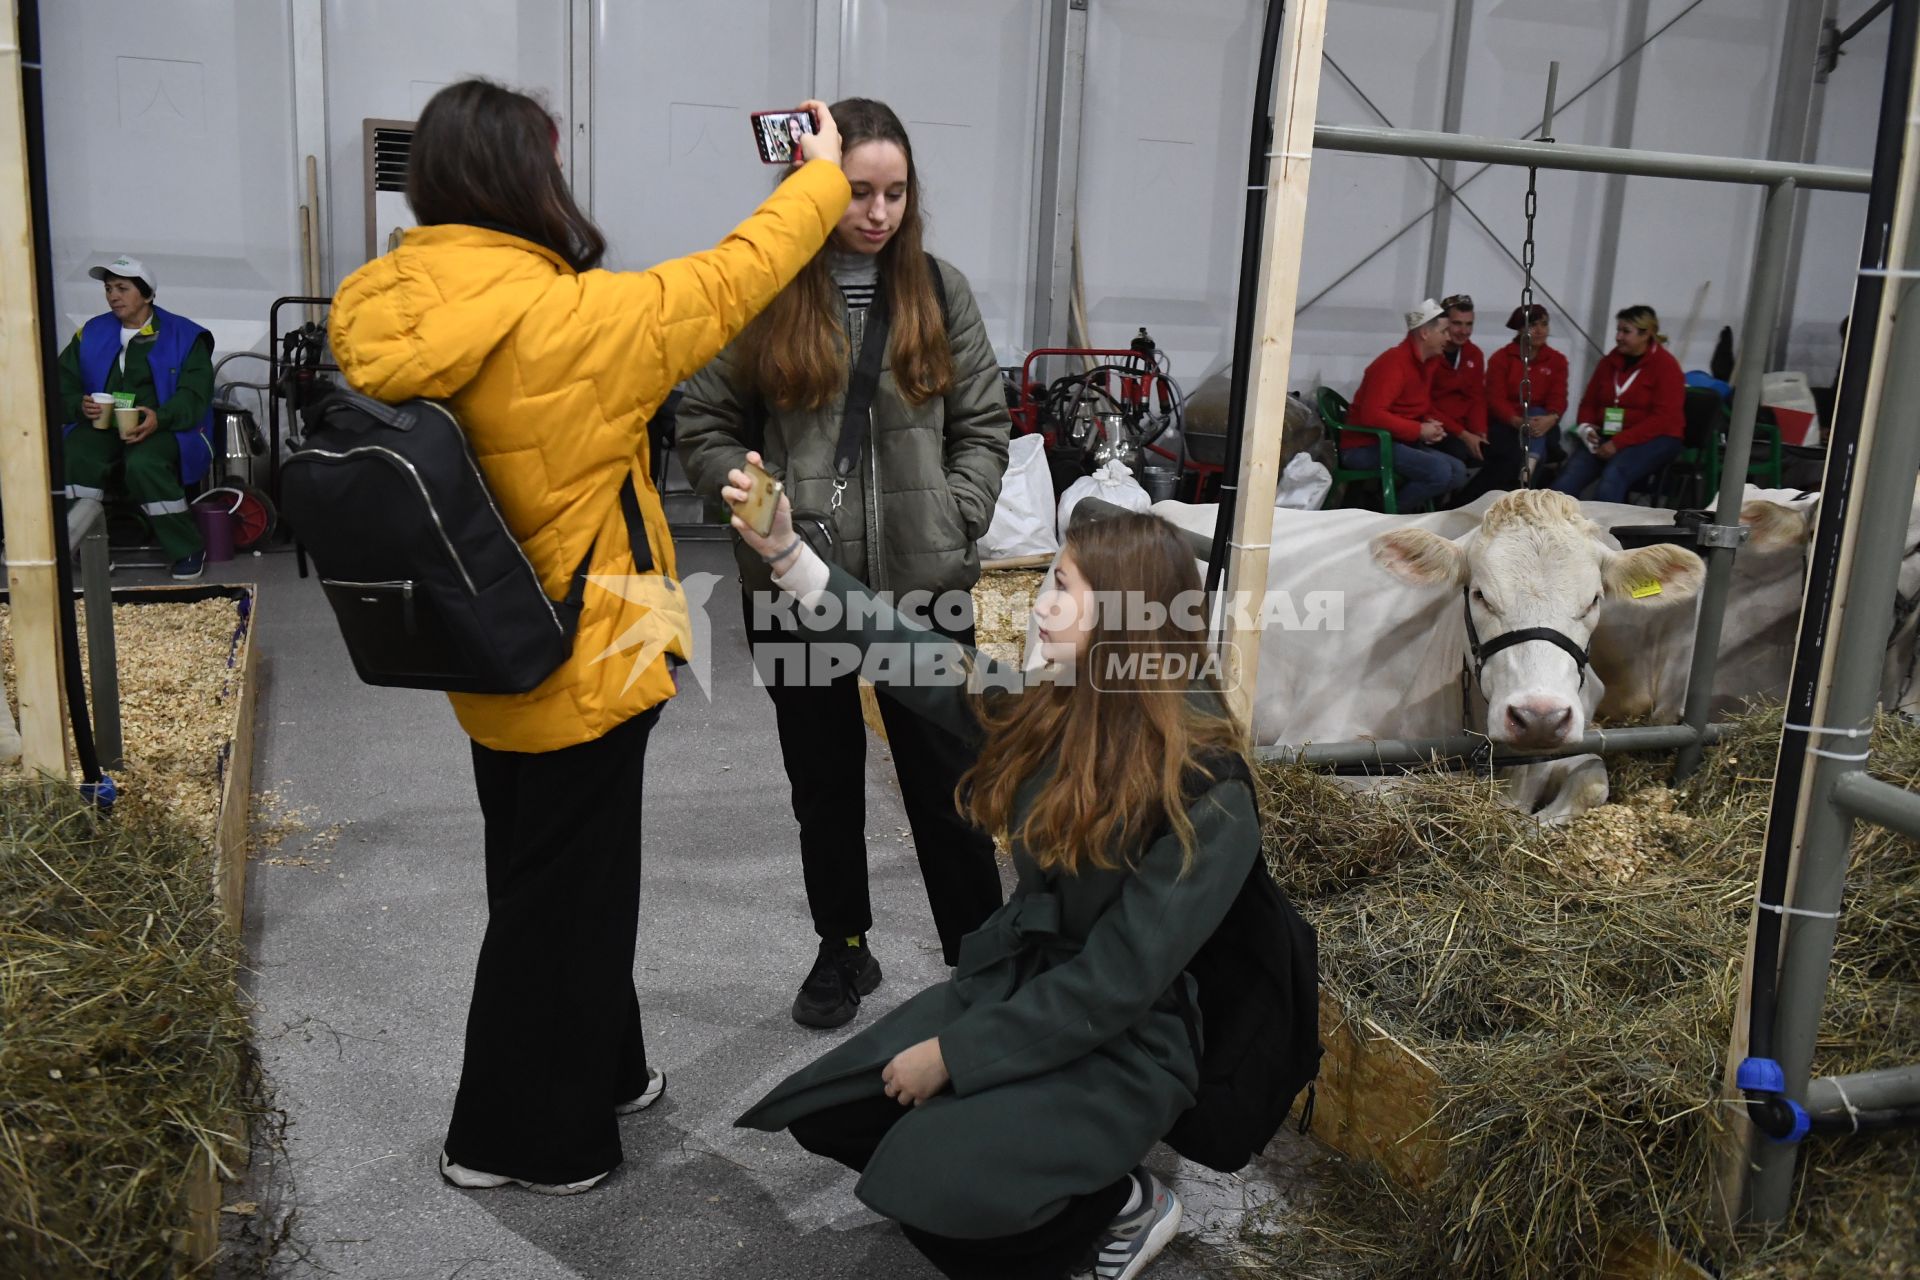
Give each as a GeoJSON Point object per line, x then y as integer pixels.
{"type": "Point", "coordinates": [1575, 988]}
{"type": "Point", "coordinates": [124, 1047]}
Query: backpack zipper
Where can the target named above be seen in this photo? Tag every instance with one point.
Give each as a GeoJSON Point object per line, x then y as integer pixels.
{"type": "Point", "coordinates": [487, 491]}
{"type": "Point", "coordinates": [426, 497]}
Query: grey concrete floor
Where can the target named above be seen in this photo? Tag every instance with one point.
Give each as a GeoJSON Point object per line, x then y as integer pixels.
{"type": "Point", "coordinates": [363, 923]}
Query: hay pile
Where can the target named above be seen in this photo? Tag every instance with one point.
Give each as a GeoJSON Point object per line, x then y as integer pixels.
{"type": "Point", "coordinates": [124, 1054]}
{"type": "Point", "coordinates": [1001, 602]}
{"type": "Point", "coordinates": [1575, 988]}
{"type": "Point", "coordinates": [125, 1067]}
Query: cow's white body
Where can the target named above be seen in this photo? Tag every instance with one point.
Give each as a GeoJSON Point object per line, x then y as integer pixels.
{"type": "Point", "coordinates": [1646, 660]}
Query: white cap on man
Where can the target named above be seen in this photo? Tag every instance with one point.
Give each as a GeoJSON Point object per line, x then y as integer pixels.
{"type": "Point", "coordinates": [1426, 313]}
{"type": "Point", "coordinates": [126, 268]}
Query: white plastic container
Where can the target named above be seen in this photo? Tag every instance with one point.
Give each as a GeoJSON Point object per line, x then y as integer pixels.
{"type": "Point", "coordinates": [1791, 399]}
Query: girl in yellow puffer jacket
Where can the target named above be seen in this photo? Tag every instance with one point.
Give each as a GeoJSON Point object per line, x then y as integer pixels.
{"type": "Point", "coordinates": [495, 304]}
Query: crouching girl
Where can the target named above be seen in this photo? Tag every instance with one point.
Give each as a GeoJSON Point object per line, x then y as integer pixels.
{"type": "Point", "coordinates": [1000, 1117]}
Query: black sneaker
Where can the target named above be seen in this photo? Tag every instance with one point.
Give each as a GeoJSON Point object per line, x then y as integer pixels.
{"type": "Point", "coordinates": [842, 973]}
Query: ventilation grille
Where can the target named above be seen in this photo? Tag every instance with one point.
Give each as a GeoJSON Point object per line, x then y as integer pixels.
{"type": "Point", "coordinates": [391, 148]}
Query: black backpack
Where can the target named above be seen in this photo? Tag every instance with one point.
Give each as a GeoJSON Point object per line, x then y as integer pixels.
{"type": "Point", "coordinates": [429, 586]}
{"type": "Point", "coordinates": [1259, 995]}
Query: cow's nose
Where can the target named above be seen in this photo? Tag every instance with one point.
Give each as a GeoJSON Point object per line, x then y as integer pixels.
{"type": "Point", "coordinates": [1539, 722]}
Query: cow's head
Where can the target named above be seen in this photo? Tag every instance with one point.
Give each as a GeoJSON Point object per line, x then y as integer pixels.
{"type": "Point", "coordinates": [1536, 564]}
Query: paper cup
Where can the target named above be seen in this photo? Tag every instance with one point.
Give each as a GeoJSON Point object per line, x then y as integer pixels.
{"type": "Point", "coordinates": [127, 419]}
{"type": "Point", "coordinates": [106, 402]}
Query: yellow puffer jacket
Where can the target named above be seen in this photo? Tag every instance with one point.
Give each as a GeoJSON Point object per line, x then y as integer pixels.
{"type": "Point", "coordinates": [554, 374]}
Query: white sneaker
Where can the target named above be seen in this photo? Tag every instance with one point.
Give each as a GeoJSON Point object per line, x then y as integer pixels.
{"type": "Point", "coordinates": [656, 1085]}
{"type": "Point", "coordinates": [1135, 1239]}
{"type": "Point", "coordinates": [474, 1180]}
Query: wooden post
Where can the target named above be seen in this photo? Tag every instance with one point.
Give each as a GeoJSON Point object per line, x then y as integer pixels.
{"type": "Point", "coordinates": [26, 487]}
{"type": "Point", "coordinates": [1295, 104]}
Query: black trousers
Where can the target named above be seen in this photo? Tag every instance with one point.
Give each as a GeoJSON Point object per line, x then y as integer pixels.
{"type": "Point", "coordinates": [850, 1133]}
{"type": "Point", "coordinates": [553, 1034]}
{"type": "Point", "coordinates": [1499, 464]}
{"type": "Point", "coordinates": [823, 742]}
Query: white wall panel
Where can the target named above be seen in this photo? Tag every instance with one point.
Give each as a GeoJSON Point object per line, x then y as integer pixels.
{"type": "Point", "coordinates": [1506, 84]}
{"type": "Point", "coordinates": [1168, 104]}
{"type": "Point", "coordinates": [674, 165]}
{"type": "Point", "coordinates": [1395, 52]}
{"type": "Point", "coordinates": [1706, 87]}
{"type": "Point", "coordinates": [385, 60]}
{"type": "Point", "coordinates": [965, 80]}
{"type": "Point", "coordinates": [168, 136]}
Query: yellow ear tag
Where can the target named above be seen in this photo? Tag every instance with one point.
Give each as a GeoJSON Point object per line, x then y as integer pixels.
{"type": "Point", "coordinates": [1651, 587]}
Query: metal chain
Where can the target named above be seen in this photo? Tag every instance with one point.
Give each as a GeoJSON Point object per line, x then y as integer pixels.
{"type": "Point", "coordinates": [1526, 304]}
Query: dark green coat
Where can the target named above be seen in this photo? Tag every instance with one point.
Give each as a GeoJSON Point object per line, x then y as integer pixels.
{"type": "Point", "coordinates": [938, 464]}
{"type": "Point", "coordinates": [1061, 1025]}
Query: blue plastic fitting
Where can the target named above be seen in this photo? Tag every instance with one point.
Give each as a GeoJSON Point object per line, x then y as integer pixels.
{"type": "Point", "coordinates": [1801, 1123]}
{"type": "Point", "coordinates": [103, 793]}
{"type": "Point", "coordinates": [1761, 1075]}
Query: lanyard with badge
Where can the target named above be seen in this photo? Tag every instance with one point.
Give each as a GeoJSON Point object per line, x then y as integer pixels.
{"type": "Point", "coordinates": [1614, 417]}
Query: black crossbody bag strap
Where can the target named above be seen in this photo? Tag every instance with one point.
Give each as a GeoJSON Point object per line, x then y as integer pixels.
{"type": "Point", "coordinates": [856, 420]}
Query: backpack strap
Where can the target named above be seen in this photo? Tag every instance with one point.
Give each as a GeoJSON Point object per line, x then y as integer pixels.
{"type": "Point", "coordinates": [636, 540]}
{"type": "Point", "coordinates": [636, 527]}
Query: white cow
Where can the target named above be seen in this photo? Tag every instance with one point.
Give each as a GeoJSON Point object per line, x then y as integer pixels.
{"type": "Point", "coordinates": [1391, 668]}
{"type": "Point", "coordinates": [1646, 661]}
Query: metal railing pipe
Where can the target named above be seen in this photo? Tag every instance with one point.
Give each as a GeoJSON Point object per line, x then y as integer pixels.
{"type": "Point", "coordinates": [1422, 144]}
{"type": "Point", "coordinates": [1864, 796]}
{"type": "Point", "coordinates": [1866, 499]}
{"type": "Point", "coordinates": [1881, 1090]}
{"type": "Point", "coordinates": [103, 662]}
{"type": "Point", "coordinates": [1762, 314]}
{"type": "Point", "coordinates": [1461, 746]}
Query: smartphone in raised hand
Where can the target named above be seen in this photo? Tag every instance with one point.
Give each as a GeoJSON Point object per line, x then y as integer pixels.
{"type": "Point", "coordinates": [762, 499]}
{"type": "Point", "coordinates": [777, 134]}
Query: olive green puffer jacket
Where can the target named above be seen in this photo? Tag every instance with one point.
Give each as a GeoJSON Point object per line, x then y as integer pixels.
{"type": "Point", "coordinates": [928, 479]}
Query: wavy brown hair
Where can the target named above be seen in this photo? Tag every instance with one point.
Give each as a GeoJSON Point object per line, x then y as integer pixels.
{"type": "Point", "coordinates": [797, 348]}
{"type": "Point", "coordinates": [483, 155]}
{"type": "Point", "coordinates": [1119, 745]}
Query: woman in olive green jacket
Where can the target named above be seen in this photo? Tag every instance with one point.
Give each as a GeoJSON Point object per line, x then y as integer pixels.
{"type": "Point", "coordinates": [1000, 1117]}
{"type": "Point", "coordinates": [900, 510]}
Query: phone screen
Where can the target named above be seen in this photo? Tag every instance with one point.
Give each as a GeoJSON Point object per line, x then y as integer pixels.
{"type": "Point", "coordinates": [777, 133]}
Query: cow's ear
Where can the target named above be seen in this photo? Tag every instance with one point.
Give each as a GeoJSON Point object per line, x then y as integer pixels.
{"type": "Point", "coordinates": [1773, 527]}
{"type": "Point", "coordinates": [1420, 558]}
{"type": "Point", "coordinates": [1660, 574]}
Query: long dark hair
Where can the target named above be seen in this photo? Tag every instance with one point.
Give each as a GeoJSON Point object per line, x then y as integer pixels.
{"type": "Point", "coordinates": [1119, 745]}
{"type": "Point", "coordinates": [483, 155]}
{"type": "Point", "coordinates": [797, 345]}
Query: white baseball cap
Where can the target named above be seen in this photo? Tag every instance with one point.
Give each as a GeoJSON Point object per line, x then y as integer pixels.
{"type": "Point", "coordinates": [1424, 314]}
{"type": "Point", "coordinates": [130, 268]}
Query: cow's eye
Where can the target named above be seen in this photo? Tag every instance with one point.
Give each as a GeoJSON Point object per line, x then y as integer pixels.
{"type": "Point", "coordinates": [1480, 598]}
{"type": "Point", "coordinates": [1592, 604]}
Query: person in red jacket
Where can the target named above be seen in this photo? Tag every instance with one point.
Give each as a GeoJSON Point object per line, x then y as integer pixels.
{"type": "Point", "coordinates": [1515, 431]}
{"type": "Point", "coordinates": [1631, 419]}
{"type": "Point", "coordinates": [1460, 379]}
{"type": "Point", "coordinates": [1395, 396]}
